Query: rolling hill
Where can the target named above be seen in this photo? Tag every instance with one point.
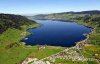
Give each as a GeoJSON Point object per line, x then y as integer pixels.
{"type": "Point", "coordinates": [13, 21]}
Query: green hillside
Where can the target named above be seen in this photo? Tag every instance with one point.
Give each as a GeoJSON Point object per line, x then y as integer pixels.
{"type": "Point", "coordinates": [13, 21]}
{"type": "Point", "coordinates": [12, 50]}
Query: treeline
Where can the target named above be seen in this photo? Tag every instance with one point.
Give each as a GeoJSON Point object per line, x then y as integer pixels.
{"type": "Point", "coordinates": [13, 21]}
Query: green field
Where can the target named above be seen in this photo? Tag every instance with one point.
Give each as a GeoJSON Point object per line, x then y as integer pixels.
{"type": "Point", "coordinates": [93, 48]}
{"type": "Point", "coordinates": [62, 61]}
{"type": "Point", "coordinates": [12, 51]}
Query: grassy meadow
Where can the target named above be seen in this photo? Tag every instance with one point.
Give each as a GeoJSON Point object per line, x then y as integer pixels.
{"type": "Point", "coordinates": [12, 51]}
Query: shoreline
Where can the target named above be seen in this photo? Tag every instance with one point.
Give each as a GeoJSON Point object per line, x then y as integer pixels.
{"type": "Point", "coordinates": [77, 46]}
{"type": "Point", "coordinates": [86, 35]}
{"type": "Point", "coordinates": [83, 42]}
{"type": "Point", "coordinates": [31, 60]}
{"type": "Point", "coordinates": [28, 33]}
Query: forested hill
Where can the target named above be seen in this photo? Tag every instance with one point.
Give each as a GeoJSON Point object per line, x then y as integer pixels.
{"type": "Point", "coordinates": [13, 21]}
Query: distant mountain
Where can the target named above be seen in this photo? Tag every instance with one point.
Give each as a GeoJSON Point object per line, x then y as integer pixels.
{"type": "Point", "coordinates": [65, 15]}
{"type": "Point", "coordinates": [83, 12]}
{"type": "Point", "coordinates": [13, 21]}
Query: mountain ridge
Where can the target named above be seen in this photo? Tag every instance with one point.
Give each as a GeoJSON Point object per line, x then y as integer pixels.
{"type": "Point", "coordinates": [64, 15]}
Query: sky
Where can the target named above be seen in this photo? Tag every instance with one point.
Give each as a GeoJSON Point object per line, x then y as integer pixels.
{"type": "Point", "coordinates": [47, 6]}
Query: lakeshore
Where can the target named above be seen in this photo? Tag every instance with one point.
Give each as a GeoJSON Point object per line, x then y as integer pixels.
{"type": "Point", "coordinates": [56, 33]}
{"type": "Point", "coordinates": [61, 55]}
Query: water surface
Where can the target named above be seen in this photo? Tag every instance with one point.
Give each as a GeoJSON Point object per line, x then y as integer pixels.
{"type": "Point", "coordinates": [56, 33]}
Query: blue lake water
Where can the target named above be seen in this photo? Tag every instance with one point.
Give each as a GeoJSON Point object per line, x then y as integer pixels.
{"type": "Point", "coordinates": [56, 33]}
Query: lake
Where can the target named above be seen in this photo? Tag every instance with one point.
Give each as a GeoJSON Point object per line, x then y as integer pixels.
{"type": "Point", "coordinates": [56, 33]}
